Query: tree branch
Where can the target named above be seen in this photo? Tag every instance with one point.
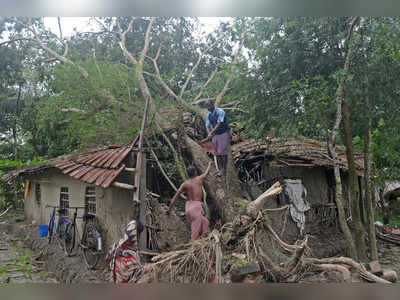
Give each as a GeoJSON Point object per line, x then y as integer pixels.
{"type": "Point", "coordinates": [163, 171]}
{"type": "Point", "coordinates": [15, 40]}
{"type": "Point", "coordinates": [122, 43]}
{"type": "Point", "coordinates": [146, 42]}
{"type": "Point", "coordinates": [202, 100]}
{"type": "Point", "coordinates": [97, 65]}
{"type": "Point", "coordinates": [194, 68]}
{"type": "Point", "coordinates": [204, 86]}
{"type": "Point", "coordinates": [72, 109]}
{"type": "Point", "coordinates": [59, 27]}
{"type": "Point", "coordinates": [234, 62]}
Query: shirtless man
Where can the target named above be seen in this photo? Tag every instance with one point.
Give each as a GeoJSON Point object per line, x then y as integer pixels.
{"type": "Point", "coordinates": [193, 207]}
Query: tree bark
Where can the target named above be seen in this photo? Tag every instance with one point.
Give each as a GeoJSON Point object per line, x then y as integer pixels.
{"type": "Point", "coordinates": [339, 204]}
{"type": "Point", "coordinates": [359, 231]}
{"type": "Point", "coordinates": [331, 149]}
{"type": "Point", "coordinates": [367, 182]}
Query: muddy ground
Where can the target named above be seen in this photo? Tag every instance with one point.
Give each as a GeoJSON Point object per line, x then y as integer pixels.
{"type": "Point", "coordinates": [18, 263]}
{"type": "Point", "coordinates": [389, 256]}
{"type": "Point", "coordinates": [26, 258]}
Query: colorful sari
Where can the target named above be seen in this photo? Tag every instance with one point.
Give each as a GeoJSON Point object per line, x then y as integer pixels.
{"type": "Point", "coordinates": [124, 257]}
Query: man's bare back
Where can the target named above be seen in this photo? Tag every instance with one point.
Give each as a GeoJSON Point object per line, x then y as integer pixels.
{"type": "Point", "coordinates": [192, 187]}
{"type": "Point", "coordinates": [193, 207]}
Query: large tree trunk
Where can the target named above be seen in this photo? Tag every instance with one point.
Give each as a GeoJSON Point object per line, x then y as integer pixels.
{"type": "Point", "coordinates": [339, 204]}
{"type": "Point", "coordinates": [331, 149]}
{"type": "Point", "coordinates": [223, 192]}
{"type": "Point", "coordinates": [368, 198]}
{"type": "Point", "coordinates": [359, 231]}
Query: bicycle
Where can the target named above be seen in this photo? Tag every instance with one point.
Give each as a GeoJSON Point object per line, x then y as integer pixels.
{"type": "Point", "coordinates": [60, 227]}
{"type": "Point", "coordinates": [90, 242]}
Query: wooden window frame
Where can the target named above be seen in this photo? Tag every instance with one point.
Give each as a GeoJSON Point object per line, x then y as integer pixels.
{"type": "Point", "coordinates": [64, 199]}
{"type": "Point", "coordinates": [38, 193]}
{"type": "Point", "coordinates": [90, 200]}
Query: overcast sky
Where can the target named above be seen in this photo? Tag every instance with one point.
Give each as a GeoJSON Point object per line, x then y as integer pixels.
{"type": "Point", "coordinates": [82, 24]}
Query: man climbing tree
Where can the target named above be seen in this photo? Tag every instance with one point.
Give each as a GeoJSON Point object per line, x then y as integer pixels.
{"type": "Point", "coordinates": [219, 131]}
{"type": "Point", "coordinates": [193, 208]}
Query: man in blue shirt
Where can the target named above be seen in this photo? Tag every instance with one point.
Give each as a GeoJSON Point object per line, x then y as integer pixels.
{"type": "Point", "coordinates": [219, 131]}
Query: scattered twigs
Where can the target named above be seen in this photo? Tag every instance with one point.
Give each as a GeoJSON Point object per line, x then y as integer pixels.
{"type": "Point", "coordinates": [153, 231]}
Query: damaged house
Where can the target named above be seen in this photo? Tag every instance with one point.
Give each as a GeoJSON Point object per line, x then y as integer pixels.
{"type": "Point", "coordinates": [305, 170]}
{"type": "Point", "coordinates": [100, 180]}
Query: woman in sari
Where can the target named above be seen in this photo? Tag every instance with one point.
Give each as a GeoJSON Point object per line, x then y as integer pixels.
{"type": "Point", "coordinates": [124, 256]}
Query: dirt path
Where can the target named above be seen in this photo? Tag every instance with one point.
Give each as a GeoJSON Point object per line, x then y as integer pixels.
{"type": "Point", "coordinates": [26, 258]}
{"type": "Point", "coordinates": [18, 263]}
{"type": "Point", "coordinates": [389, 256]}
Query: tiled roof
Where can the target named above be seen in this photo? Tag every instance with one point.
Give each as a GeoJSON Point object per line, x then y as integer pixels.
{"type": "Point", "coordinates": [99, 167]}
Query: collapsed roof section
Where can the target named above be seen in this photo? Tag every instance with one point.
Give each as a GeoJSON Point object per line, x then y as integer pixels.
{"type": "Point", "coordinates": [299, 152]}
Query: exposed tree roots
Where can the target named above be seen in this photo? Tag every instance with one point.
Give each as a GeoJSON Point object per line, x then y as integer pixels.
{"type": "Point", "coordinates": [195, 262]}
{"type": "Point", "coordinates": [206, 260]}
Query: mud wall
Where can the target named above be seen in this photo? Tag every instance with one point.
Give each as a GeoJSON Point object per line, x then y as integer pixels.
{"type": "Point", "coordinates": [51, 183]}
{"type": "Point", "coordinates": [320, 186]}
{"type": "Point", "coordinates": [114, 208]}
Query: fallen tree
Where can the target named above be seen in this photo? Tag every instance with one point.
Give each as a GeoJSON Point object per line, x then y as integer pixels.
{"type": "Point", "coordinates": [234, 246]}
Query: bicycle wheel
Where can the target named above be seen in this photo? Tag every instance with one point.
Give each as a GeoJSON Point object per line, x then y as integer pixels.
{"type": "Point", "coordinates": [61, 229]}
{"type": "Point", "coordinates": [69, 239]}
{"type": "Point", "coordinates": [91, 244]}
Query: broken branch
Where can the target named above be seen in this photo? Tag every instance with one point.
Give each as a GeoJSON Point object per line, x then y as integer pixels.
{"type": "Point", "coordinates": [255, 206]}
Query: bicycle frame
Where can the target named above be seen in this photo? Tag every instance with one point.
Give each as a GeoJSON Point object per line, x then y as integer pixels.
{"type": "Point", "coordinates": [75, 224]}
{"type": "Point", "coordinates": [61, 220]}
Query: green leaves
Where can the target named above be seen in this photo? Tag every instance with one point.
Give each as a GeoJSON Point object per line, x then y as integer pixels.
{"type": "Point", "coordinates": [296, 66]}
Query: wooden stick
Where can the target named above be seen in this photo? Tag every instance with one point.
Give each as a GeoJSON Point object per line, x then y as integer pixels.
{"type": "Point", "coordinates": [276, 209]}
{"type": "Point", "coordinates": [164, 173]}
{"type": "Point", "coordinates": [124, 186]}
{"type": "Point", "coordinates": [4, 212]}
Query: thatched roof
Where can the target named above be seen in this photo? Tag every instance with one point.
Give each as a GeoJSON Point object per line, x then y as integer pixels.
{"type": "Point", "coordinates": [299, 152]}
